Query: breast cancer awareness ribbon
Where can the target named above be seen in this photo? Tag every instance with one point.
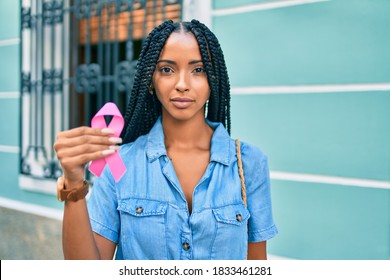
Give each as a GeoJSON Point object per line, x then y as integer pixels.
{"type": "Point", "coordinates": [113, 161]}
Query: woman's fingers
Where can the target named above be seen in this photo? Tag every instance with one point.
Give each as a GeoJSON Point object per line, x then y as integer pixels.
{"type": "Point", "coordinates": [78, 146]}
{"type": "Point", "coordinates": [85, 130]}
{"type": "Point", "coordinates": [87, 135]}
{"type": "Point", "coordinates": [82, 159]}
{"type": "Point", "coordinates": [85, 149]}
{"type": "Point", "coordinates": [84, 140]}
{"type": "Point", "coordinates": [64, 143]}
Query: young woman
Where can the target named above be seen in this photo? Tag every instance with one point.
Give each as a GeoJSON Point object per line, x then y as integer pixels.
{"type": "Point", "coordinates": [180, 197]}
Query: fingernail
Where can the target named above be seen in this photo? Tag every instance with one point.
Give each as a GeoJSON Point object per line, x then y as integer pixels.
{"type": "Point", "coordinates": [115, 148]}
{"type": "Point", "coordinates": [115, 140]}
{"type": "Point", "coordinates": [108, 131]}
{"type": "Point", "coordinates": [107, 152]}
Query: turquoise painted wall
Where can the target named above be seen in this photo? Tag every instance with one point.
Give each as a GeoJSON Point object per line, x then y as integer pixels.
{"type": "Point", "coordinates": [330, 222]}
{"type": "Point", "coordinates": [10, 110]}
{"type": "Point", "coordinates": [223, 4]}
{"type": "Point", "coordinates": [337, 134]}
{"type": "Point", "coordinates": [331, 42]}
{"type": "Point", "coordinates": [9, 107]}
{"type": "Point", "coordinates": [333, 134]}
{"type": "Point", "coordinates": [345, 134]}
{"type": "Point", "coordinates": [9, 73]}
{"type": "Point", "coordinates": [9, 16]}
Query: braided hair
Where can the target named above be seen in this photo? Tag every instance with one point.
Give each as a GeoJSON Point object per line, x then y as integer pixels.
{"type": "Point", "coordinates": [144, 108]}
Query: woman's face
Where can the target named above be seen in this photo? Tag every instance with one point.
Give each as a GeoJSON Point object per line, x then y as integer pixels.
{"type": "Point", "coordinates": [179, 80]}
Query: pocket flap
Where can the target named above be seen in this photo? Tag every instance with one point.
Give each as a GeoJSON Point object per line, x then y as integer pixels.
{"type": "Point", "coordinates": [142, 207]}
{"type": "Point", "coordinates": [236, 214]}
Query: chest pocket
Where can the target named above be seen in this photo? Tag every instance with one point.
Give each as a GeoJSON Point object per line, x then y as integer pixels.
{"type": "Point", "coordinates": [233, 214]}
{"type": "Point", "coordinates": [143, 229]}
{"type": "Point", "coordinates": [231, 238]}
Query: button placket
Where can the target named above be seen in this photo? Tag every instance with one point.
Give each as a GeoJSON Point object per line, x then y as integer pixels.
{"type": "Point", "coordinates": [186, 249]}
{"type": "Point", "coordinates": [186, 246]}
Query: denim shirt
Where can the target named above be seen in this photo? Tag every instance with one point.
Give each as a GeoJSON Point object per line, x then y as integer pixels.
{"type": "Point", "coordinates": [147, 215]}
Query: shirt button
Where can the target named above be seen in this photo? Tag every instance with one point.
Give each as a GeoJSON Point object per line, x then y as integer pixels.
{"type": "Point", "coordinates": [139, 210]}
{"type": "Point", "coordinates": [186, 246]}
{"type": "Point", "coordinates": [239, 217]}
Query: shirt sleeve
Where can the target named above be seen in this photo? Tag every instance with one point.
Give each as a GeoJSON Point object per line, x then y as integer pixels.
{"type": "Point", "coordinates": [261, 224]}
{"type": "Point", "coordinates": [102, 207]}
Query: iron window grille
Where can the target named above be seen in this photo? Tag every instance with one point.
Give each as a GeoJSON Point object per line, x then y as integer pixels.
{"type": "Point", "coordinates": [75, 56]}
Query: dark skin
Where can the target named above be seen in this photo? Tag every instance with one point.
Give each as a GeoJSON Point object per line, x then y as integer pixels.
{"type": "Point", "coordinates": [187, 135]}
{"type": "Point", "coordinates": [181, 86]}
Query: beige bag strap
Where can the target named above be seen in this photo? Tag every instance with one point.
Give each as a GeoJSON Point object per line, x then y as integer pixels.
{"type": "Point", "coordinates": [241, 171]}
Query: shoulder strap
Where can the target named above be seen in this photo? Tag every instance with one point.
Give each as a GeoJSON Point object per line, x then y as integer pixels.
{"type": "Point", "coordinates": [241, 171]}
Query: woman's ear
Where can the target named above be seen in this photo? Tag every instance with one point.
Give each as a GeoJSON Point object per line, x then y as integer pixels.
{"type": "Point", "coordinates": [151, 89]}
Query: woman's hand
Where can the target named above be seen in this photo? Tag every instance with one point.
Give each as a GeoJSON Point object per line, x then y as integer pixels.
{"type": "Point", "coordinates": [76, 147]}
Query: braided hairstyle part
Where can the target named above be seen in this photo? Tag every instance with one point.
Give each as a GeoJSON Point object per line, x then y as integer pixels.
{"type": "Point", "coordinates": [144, 108]}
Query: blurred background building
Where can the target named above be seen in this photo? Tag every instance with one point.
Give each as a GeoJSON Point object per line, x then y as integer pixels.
{"type": "Point", "coordinates": [310, 83]}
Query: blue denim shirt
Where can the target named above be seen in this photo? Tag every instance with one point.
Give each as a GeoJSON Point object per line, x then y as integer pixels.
{"type": "Point", "coordinates": [147, 215]}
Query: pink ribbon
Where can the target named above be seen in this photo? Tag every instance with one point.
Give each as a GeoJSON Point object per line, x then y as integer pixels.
{"type": "Point", "coordinates": [113, 161]}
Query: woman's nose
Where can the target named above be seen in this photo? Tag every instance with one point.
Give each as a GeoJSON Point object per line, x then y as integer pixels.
{"type": "Point", "coordinates": [183, 84]}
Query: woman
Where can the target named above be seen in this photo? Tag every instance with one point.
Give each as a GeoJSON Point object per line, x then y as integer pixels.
{"type": "Point", "coordinates": [181, 195]}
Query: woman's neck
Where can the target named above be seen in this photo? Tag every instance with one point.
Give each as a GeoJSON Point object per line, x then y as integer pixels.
{"type": "Point", "coordinates": [188, 134]}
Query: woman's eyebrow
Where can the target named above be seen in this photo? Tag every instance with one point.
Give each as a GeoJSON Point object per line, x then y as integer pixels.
{"type": "Point", "coordinates": [174, 63]}
{"type": "Point", "coordinates": [195, 61]}
{"type": "Point", "coordinates": [166, 61]}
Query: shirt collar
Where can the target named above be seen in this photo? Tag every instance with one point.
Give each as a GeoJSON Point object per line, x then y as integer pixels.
{"type": "Point", "coordinates": [155, 146]}
{"type": "Point", "coordinates": [220, 143]}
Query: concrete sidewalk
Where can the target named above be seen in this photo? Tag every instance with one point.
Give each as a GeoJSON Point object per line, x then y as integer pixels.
{"type": "Point", "coordinates": [26, 236]}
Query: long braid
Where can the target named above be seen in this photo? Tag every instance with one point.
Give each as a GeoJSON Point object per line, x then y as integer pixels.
{"type": "Point", "coordinates": [143, 108]}
{"type": "Point", "coordinates": [219, 103]}
{"type": "Point", "coordinates": [209, 68]}
{"type": "Point", "coordinates": [138, 91]}
{"type": "Point", "coordinates": [138, 76]}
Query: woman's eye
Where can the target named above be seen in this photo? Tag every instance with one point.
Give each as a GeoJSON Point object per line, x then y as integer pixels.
{"type": "Point", "coordinates": [199, 70]}
{"type": "Point", "coordinates": [165, 70]}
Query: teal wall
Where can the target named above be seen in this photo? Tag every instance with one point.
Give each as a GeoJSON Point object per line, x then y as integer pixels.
{"type": "Point", "coordinates": [318, 221]}
{"type": "Point", "coordinates": [10, 110]}
{"type": "Point", "coordinates": [9, 16]}
{"type": "Point", "coordinates": [9, 107]}
{"type": "Point", "coordinates": [342, 134]}
{"type": "Point", "coordinates": [9, 73]}
{"type": "Point", "coordinates": [331, 42]}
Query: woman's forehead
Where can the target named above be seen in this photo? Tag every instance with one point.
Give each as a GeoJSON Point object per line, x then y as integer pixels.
{"type": "Point", "coordinates": [183, 43]}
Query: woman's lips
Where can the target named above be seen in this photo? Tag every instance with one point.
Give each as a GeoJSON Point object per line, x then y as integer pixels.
{"type": "Point", "coordinates": [182, 102]}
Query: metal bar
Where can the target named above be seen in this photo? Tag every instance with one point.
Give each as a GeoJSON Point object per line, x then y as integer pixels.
{"type": "Point", "coordinates": [154, 12]}
{"type": "Point", "coordinates": [36, 82]}
{"type": "Point", "coordinates": [108, 58]}
{"type": "Point", "coordinates": [21, 94]}
{"type": "Point", "coordinates": [87, 52]}
{"type": "Point", "coordinates": [40, 81]}
{"type": "Point", "coordinates": [144, 32]}
{"type": "Point", "coordinates": [52, 89]}
{"type": "Point", "coordinates": [75, 41]}
{"type": "Point", "coordinates": [87, 45]}
{"type": "Point", "coordinates": [100, 56]}
{"type": "Point", "coordinates": [129, 49]}
{"type": "Point", "coordinates": [129, 42]}
{"type": "Point", "coordinates": [115, 60]}
{"type": "Point", "coordinates": [30, 125]}
{"type": "Point", "coordinates": [163, 10]}
{"type": "Point", "coordinates": [62, 92]}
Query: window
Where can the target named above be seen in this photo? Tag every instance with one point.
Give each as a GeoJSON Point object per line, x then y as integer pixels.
{"type": "Point", "coordinates": [76, 56]}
